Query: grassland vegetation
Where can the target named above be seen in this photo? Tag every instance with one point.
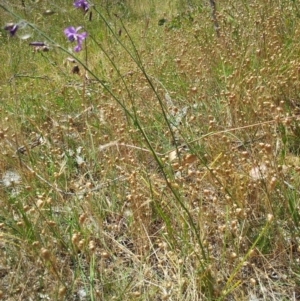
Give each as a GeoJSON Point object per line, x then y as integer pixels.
{"type": "Point", "coordinates": [149, 150]}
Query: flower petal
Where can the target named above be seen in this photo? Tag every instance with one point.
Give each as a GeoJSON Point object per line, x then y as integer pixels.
{"type": "Point", "coordinates": [70, 30]}
{"type": "Point", "coordinates": [81, 36]}
{"type": "Point", "coordinates": [77, 48]}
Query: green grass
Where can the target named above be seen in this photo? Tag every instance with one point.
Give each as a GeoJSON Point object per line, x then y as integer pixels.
{"type": "Point", "coordinates": [167, 169]}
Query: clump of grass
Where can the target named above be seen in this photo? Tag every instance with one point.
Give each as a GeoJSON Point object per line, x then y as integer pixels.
{"type": "Point", "coordinates": [160, 161]}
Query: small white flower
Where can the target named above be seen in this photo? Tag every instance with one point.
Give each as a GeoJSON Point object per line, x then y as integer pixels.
{"type": "Point", "coordinates": [79, 160]}
{"type": "Point", "coordinates": [11, 178]}
{"type": "Point", "coordinates": [82, 294]}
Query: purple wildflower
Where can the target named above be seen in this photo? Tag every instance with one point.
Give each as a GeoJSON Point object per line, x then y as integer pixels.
{"type": "Point", "coordinates": [12, 28]}
{"type": "Point", "coordinates": [73, 35]}
{"type": "Point", "coordinates": [83, 4]}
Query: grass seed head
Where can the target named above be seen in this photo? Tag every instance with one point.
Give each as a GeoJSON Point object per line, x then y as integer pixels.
{"type": "Point", "coordinates": [45, 254]}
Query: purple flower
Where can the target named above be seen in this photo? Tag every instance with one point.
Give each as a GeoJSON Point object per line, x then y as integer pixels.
{"type": "Point", "coordinates": [12, 28]}
{"type": "Point", "coordinates": [73, 35]}
{"type": "Point", "coordinates": [83, 4]}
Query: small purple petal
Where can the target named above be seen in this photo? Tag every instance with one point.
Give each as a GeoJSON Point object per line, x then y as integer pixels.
{"type": "Point", "coordinates": [70, 33]}
{"type": "Point", "coordinates": [77, 48]}
{"type": "Point", "coordinates": [12, 28]}
{"type": "Point", "coordinates": [81, 36]}
{"type": "Point", "coordinates": [70, 29]}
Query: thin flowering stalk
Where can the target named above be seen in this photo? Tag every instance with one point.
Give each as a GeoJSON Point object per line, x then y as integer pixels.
{"type": "Point", "coordinates": [139, 63]}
